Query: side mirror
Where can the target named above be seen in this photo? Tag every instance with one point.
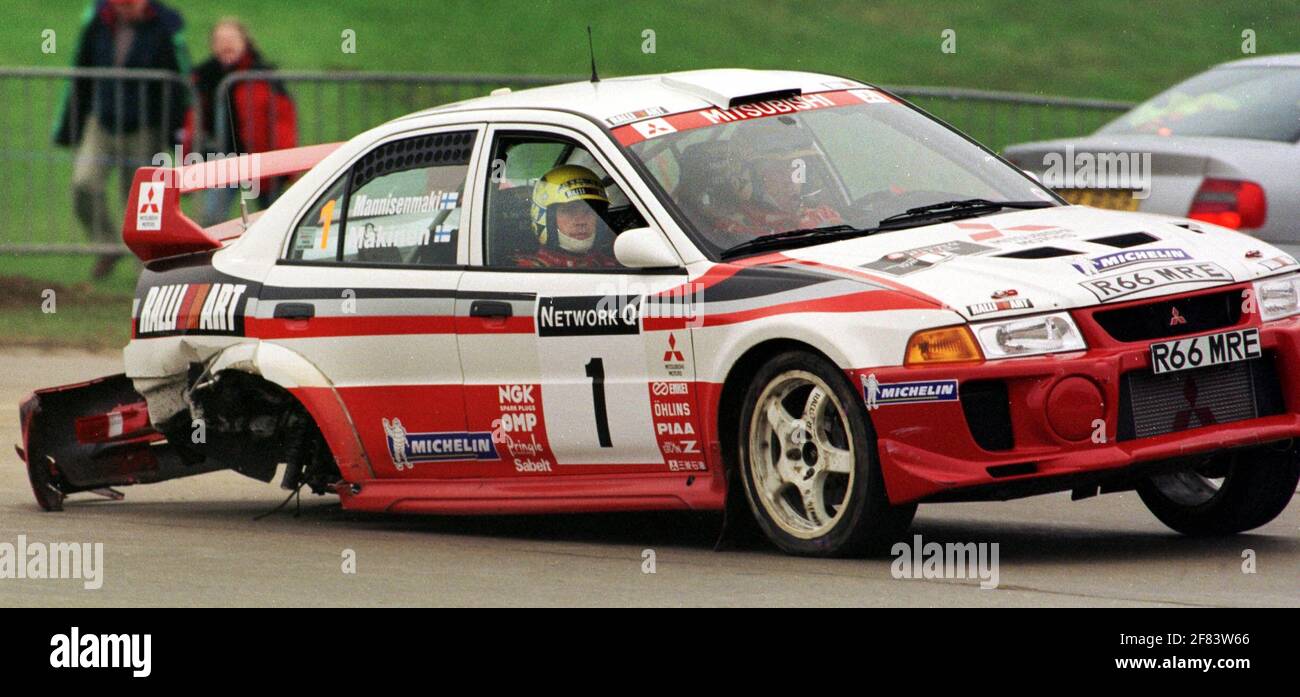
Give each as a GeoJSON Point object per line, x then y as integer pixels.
{"type": "Point", "coordinates": [644, 248]}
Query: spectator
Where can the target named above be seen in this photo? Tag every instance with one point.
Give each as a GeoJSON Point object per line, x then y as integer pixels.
{"type": "Point", "coordinates": [121, 122]}
{"type": "Point", "coordinates": [263, 113]}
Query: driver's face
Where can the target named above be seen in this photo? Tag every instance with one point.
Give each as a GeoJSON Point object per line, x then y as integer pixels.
{"type": "Point", "coordinates": [576, 219]}
{"type": "Point", "coordinates": [778, 183]}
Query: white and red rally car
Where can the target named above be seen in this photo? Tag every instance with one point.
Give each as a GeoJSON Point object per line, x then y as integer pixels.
{"type": "Point", "coordinates": [824, 302]}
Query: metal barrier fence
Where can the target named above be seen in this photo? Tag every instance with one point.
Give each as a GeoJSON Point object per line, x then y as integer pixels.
{"type": "Point", "coordinates": [36, 176]}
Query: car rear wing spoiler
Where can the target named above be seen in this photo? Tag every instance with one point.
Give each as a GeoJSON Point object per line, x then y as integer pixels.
{"type": "Point", "coordinates": [156, 227]}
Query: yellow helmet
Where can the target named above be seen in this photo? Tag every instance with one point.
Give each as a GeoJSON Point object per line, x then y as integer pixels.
{"type": "Point", "coordinates": [561, 185]}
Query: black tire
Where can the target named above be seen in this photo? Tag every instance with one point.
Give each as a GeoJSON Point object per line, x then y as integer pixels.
{"type": "Point", "coordinates": [1257, 485]}
{"type": "Point", "coordinates": [868, 523]}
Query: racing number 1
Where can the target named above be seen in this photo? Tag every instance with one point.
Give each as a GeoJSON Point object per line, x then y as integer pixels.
{"type": "Point", "coordinates": [596, 371]}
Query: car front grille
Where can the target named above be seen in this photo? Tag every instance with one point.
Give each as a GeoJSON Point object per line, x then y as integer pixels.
{"type": "Point", "coordinates": [1156, 320]}
{"type": "Point", "coordinates": [1153, 405]}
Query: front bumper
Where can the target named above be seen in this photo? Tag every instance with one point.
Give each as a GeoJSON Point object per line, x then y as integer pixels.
{"type": "Point", "coordinates": [1061, 433]}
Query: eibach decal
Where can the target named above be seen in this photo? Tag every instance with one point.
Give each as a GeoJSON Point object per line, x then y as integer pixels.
{"type": "Point", "coordinates": [713, 116]}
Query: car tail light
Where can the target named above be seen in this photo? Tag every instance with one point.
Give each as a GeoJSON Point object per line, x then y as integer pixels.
{"type": "Point", "coordinates": [1230, 202]}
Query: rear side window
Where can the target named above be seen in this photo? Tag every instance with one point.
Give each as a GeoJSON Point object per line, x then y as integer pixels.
{"type": "Point", "coordinates": [399, 205]}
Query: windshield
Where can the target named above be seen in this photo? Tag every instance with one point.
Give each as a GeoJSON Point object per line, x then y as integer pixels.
{"type": "Point", "coordinates": [849, 158]}
{"type": "Point", "coordinates": [1259, 103]}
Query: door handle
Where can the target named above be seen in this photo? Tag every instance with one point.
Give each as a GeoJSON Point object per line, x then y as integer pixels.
{"type": "Point", "coordinates": [490, 309]}
{"type": "Point", "coordinates": [295, 311]}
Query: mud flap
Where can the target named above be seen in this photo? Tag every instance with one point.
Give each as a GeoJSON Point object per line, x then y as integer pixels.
{"type": "Point", "coordinates": [94, 436]}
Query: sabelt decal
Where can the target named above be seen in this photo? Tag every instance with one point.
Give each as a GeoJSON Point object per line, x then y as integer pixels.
{"type": "Point", "coordinates": [1126, 284]}
{"type": "Point", "coordinates": [148, 213]}
{"type": "Point", "coordinates": [516, 431]}
{"type": "Point", "coordinates": [998, 306]}
{"type": "Point", "coordinates": [878, 394]}
{"type": "Point", "coordinates": [407, 449]}
{"type": "Point", "coordinates": [215, 308]}
{"type": "Point", "coordinates": [588, 315]}
{"type": "Point", "coordinates": [910, 260]}
{"type": "Point", "coordinates": [1132, 257]}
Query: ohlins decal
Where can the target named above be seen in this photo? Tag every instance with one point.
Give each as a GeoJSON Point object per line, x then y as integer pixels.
{"type": "Point", "coordinates": [192, 307]}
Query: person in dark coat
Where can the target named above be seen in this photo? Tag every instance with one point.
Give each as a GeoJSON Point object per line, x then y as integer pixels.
{"type": "Point", "coordinates": [121, 123]}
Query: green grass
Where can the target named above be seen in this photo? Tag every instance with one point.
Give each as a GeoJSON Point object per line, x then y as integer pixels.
{"type": "Point", "coordinates": [1088, 48]}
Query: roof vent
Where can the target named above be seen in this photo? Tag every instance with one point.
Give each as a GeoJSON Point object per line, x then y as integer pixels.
{"type": "Point", "coordinates": [728, 88]}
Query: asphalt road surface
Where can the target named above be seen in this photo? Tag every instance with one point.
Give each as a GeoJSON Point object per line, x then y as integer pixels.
{"type": "Point", "coordinates": [194, 543]}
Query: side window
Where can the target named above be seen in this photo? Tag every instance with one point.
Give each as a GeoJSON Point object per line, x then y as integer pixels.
{"type": "Point", "coordinates": [550, 204]}
{"type": "Point", "coordinates": [317, 235]}
{"type": "Point", "coordinates": [404, 201]}
{"type": "Point", "coordinates": [400, 204]}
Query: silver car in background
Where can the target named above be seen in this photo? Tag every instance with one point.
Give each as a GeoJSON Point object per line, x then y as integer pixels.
{"type": "Point", "coordinates": [1221, 147]}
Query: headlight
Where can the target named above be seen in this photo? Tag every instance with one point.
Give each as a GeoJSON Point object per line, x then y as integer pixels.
{"type": "Point", "coordinates": [1278, 297]}
{"type": "Point", "coordinates": [1029, 336]}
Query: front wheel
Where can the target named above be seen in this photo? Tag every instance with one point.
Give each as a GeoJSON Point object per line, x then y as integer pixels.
{"type": "Point", "coordinates": [808, 462]}
{"type": "Point", "coordinates": [1234, 495]}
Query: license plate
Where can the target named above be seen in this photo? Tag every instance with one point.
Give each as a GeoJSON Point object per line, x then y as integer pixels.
{"type": "Point", "coordinates": [1205, 351]}
{"type": "Point", "coordinates": [1114, 199]}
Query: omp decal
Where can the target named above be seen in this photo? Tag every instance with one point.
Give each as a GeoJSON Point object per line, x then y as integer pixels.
{"type": "Point", "coordinates": [519, 430]}
{"type": "Point", "coordinates": [630, 116]}
{"type": "Point", "coordinates": [998, 306]}
{"type": "Point", "coordinates": [712, 116]}
{"type": "Point", "coordinates": [406, 449]}
{"type": "Point", "coordinates": [1131, 257]}
{"type": "Point", "coordinates": [588, 315]}
{"type": "Point", "coordinates": [911, 260]}
{"type": "Point", "coordinates": [1125, 284]}
{"type": "Point", "coordinates": [193, 307]}
{"type": "Point", "coordinates": [878, 394]}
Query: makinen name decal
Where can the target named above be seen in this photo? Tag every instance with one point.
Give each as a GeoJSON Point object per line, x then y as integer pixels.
{"type": "Point", "coordinates": [1119, 260]}
{"type": "Point", "coordinates": [878, 394]}
{"type": "Point", "coordinates": [204, 307]}
{"type": "Point", "coordinates": [596, 315]}
{"type": "Point", "coordinates": [406, 449]}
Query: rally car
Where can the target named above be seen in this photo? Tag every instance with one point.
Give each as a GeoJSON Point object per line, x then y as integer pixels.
{"type": "Point", "coordinates": [799, 294]}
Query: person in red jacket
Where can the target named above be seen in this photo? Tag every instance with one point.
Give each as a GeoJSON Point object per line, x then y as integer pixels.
{"type": "Point", "coordinates": [263, 113]}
